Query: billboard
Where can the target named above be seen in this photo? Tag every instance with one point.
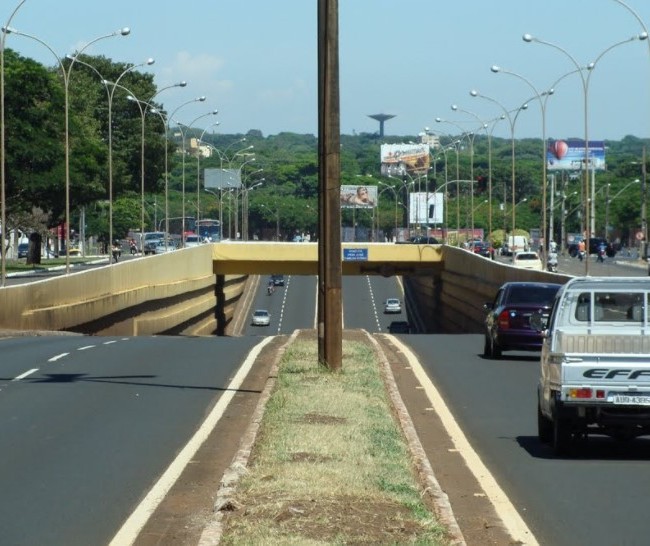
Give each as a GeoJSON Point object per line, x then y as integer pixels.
{"type": "Point", "coordinates": [426, 208]}
{"type": "Point", "coordinates": [569, 155]}
{"type": "Point", "coordinates": [362, 197]}
{"type": "Point", "coordinates": [400, 159]}
{"type": "Point", "coordinates": [222, 179]}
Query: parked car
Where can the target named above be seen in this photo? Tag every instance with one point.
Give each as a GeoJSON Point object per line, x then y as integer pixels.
{"type": "Point", "coordinates": [392, 305]}
{"type": "Point", "coordinates": [507, 323]}
{"type": "Point", "coordinates": [261, 317]}
{"type": "Point", "coordinates": [278, 280]}
{"type": "Point", "coordinates": [23, 248]}
{"type": "Point", "coordinates": [594, 245]}
{"type": "Point", "coordinates": [399, 327]}
{"type": "Point", "coordinates": [528, 260]}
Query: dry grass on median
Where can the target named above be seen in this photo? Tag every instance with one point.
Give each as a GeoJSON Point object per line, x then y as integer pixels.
{"type": "Point", "coordinates": [330, 465]}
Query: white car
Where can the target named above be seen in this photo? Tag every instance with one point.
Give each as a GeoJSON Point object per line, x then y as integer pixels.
{"type": "Point", "coordinates": [392, 305]}
{"type": "Point", "coordinates": [192, 240]}
{"type": "Point", "coordinates": [528, 260]}
{"type": "Point", "coordinates": [261, 317]}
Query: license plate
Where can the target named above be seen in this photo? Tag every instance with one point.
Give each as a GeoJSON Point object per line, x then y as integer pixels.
{"type": "Point", "coordinates": [630, 399]}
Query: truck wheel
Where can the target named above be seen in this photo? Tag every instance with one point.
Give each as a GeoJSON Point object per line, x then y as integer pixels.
{"type": "Point", "coordinates": [544, 427]}
{"type": "Point", "coordinates": [561, 436]}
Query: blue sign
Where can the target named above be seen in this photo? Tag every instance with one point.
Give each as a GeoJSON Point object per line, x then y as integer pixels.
{"type": "Point", "coordinates": [355, 254]}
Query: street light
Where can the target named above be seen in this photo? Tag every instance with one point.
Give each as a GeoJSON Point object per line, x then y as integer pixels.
{"type": "Point", "coordinates": [471, 135]}
{"type": "Point", "coordinates": [277, 219]}
{"type": "Point", "coordinates": [512, 121]}
{"type": "Point", "coordinates": [198, 171]}
{"type": "Point", "coordinates": [590, 213]}
{"type": "Point", "coordinates": [485, 125]}
{"type": "Point", "coordinates": [3, 223]}
{"type": "Point", "coordinates": [244, 207]}
{"type": "Point", "coordinates": [542, 104]}
{"type": "Point", "coordinates": [66, 89]}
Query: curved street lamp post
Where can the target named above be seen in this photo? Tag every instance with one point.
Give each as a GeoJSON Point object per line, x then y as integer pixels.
{"type": "Point", "coordinates": [66, 72]}
{"type": "Point", "coordinates": [589, 192]}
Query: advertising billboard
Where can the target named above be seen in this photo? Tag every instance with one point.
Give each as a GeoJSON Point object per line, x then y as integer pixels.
{"type": "Point", "coordinates": [222, 179]}
{"type": "Point", "coordinates": [426, 208]}
{"type": "Point", "coordinates": [400, 159]}
{"type": "Point", "coordinates": [361, 197]}
{"type": "Point", "coordinates": [569, 155]}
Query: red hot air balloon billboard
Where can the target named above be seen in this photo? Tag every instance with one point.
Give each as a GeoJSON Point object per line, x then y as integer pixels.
{"type": "Point", "coordinates": [569, 155]}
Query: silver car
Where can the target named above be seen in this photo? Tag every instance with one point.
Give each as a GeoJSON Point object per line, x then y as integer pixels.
{"type": "Point", "coordinates": [392, 305]}
{"type": "Point", "coordinates": [261, 317]}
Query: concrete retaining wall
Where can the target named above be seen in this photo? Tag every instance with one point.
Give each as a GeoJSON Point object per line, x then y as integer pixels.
{"type": "Point", "coordinates": [452, 300]}
{"type": "Point", "coordinates": [150, 295]}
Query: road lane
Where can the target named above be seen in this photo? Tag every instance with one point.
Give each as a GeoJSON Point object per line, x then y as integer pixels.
{"type": "Point", "coordinates": [86, 436]}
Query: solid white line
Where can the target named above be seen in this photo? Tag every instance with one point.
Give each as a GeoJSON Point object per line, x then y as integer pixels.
{"type": "Point", "coordinates": [23, 375]}
{"type": "Point", "coordinates": [136, 521]}
{"type": "Point", "coordinates": [57, 357]}
{"type": "Point", "coordinates": [512, 521]}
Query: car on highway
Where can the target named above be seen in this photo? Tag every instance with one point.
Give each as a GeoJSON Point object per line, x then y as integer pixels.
{"type": "Point", "coordinates": [507, 322]}
{"type": "Point", "coordinates": [278, 280]}
{"type": "Point", "coordinates": [261, 317]}
{"type": "Point", "coordinates": [528, 260]}
{"type": "Point", "coordinates": [392, 305]}
{"type": "Point", "coordinates": [423, 240]}
{"type": "Point", "coordinates": [399, 327]}
{"type": "Point", "coordinates": [192, 240]}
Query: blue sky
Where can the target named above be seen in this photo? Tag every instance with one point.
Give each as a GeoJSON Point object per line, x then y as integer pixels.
{"type": "Point", "coordinates": [256, 60]}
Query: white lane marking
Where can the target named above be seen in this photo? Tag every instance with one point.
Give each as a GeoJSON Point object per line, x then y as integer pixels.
{"type": "Point", "coordinates": [110, 342]}
{"type": "Point", "coordinates": [284, 302]}
{"type": "Point", "coordinates": [374, 304]}
{"type": "Point", "coordinates": [23, 375]}
{"type": "Point", "coordinates": [136, 521]}
{"type": "Point", "coordinates": [86, 347]}
{"type": "Point", "coordinates": [58, 357]}
{"type": "Point", "coordinates": [511, 519]}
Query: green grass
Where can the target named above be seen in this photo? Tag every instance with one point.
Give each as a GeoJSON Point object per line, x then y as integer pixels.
{"type": "Point", "coordinates": [330, 465]}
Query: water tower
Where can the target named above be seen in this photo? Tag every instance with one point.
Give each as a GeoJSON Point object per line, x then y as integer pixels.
{"type": "Point", "coordinates": [381, 118]}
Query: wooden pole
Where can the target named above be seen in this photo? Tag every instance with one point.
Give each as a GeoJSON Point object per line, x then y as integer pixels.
{"type": "Point", "coordinates": [330, 323]}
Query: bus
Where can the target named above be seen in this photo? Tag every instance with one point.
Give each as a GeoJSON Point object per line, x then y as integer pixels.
{"type": "Point", "coordinates": [177, 225]}
{"type": "Point", "coordinates": [209, 229]}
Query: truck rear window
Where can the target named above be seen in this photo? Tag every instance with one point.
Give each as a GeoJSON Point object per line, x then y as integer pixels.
{"type": "Point", "coordinates": [611, 306]}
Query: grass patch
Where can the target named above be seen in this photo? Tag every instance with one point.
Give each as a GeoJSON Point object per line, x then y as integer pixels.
{"type": "Point", "coordinates": [330, 465]}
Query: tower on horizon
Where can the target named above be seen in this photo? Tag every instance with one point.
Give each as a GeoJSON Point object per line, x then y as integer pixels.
{"type": "Point", "coordinates": [381, 118]}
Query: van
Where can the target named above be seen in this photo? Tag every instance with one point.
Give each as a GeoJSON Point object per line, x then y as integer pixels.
{"type": "Point", "coordinates": [515, 243]}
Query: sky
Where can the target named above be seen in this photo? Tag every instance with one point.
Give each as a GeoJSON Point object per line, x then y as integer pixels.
{"type": "Point", "coordinates": [256, 61]}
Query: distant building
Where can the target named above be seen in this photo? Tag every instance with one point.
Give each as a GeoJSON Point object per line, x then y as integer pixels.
{"type": "Point", "coordinates": [433, 141]}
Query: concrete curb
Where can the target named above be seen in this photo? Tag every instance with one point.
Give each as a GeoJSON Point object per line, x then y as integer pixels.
{"type": "Point", "coordinates": [432, 488]}
{"type": "Point", "coordinates": [211, 534]}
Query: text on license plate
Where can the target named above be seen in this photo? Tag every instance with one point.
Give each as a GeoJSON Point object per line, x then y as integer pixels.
{"type": "Point", "coordinates": [630, 399]}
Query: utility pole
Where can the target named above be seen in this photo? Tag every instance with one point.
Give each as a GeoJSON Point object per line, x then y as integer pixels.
{"type": "Point", "coordinates": [644, 209]}
{"type": "Point", "coordinates": [330, 322]}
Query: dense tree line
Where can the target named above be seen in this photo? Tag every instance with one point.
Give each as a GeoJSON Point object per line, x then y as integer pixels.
{"type": "Point", "coordinates": [280, 172]}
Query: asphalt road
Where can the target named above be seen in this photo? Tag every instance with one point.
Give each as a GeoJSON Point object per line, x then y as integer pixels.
{"type": "Point", "coordinates": [87, 425]}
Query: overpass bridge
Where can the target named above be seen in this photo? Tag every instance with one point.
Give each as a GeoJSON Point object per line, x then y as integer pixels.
{"type": "Point", "coordinates": [196, 291]}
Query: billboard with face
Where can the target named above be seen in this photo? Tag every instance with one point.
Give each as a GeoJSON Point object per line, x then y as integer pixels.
{"type": "Point", "coordinates": [364, 197]}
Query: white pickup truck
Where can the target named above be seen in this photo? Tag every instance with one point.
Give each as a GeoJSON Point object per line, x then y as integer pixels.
{"type": "Point", "coordinates": [595, 362]}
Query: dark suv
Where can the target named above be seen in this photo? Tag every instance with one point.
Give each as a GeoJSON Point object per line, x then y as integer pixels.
{"type": "Point", "coordinates": [278, 280]}
{"type": "Point", "coordinates": [594, 244]}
